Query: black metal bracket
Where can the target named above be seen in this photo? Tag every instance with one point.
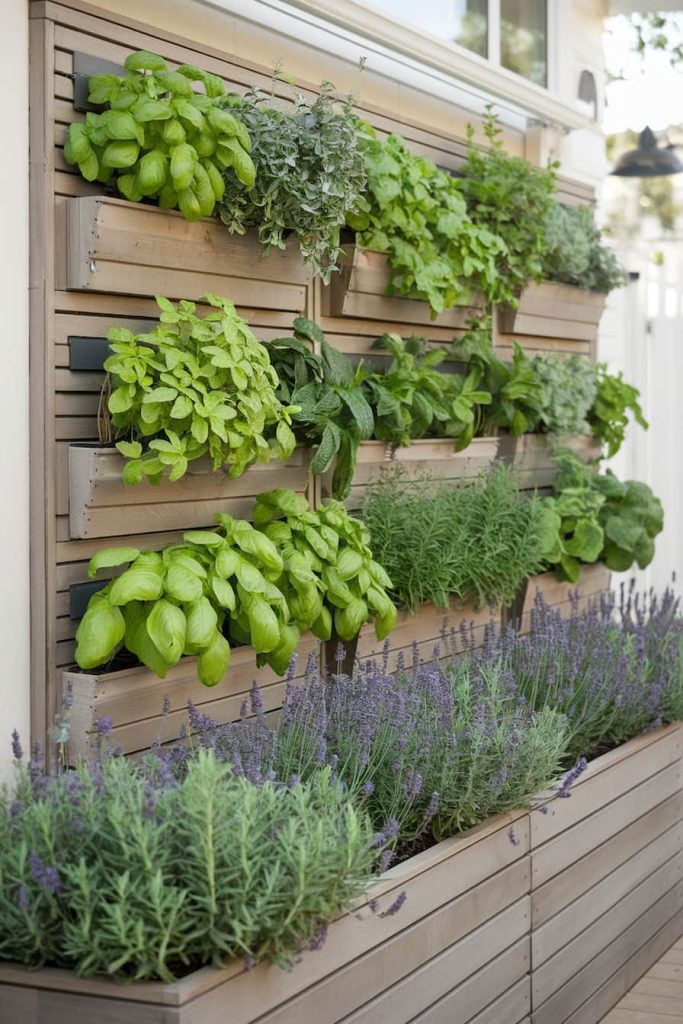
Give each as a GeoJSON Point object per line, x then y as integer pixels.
{"type": "Point", "coordinates": [84, 67]}
{"type": "Point", "coordinates": [87, 353]}
{"type": "Point", "coordinates": [80, 594]}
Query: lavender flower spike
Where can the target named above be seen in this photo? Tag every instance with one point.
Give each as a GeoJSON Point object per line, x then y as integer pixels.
{"type": "Point", "coordinates": [17, 752]}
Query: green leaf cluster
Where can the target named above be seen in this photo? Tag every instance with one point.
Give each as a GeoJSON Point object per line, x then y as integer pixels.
{"type": "Point", "coordinates": [263, 584]}
{"type": "Point", "coordinates": [439, 543]}
{"type": "Point", "coordinates": [328, 393]}
{"type": "Point", "coordinates": [155, 880]}
{"type": "Point", "coordinates": [576, 253]}
{"type": "Point", "coordinates": [608, 416]}
{"type": "Point", "coordinates": [414, 399]}
{"type": "Point", "coordinates": [415, 212]}
{"type": "Point", "coordinates": [512, 200]}
{"type": "Point", "coordinates": [598, 518]}
{"type": "Point", "coordinates": [160, 138]}
{"type": "Point", "coordinates": [570, 390]}
{"type": "Point", "coordinates": [194, 386]}
{"type": "Point", "coordinates": [310, 174]}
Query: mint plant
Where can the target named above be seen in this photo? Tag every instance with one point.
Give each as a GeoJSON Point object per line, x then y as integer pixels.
{"type": "Point", "coordinates": [194, 386]}
{"type": "Point", "coordinates": [609, 414]}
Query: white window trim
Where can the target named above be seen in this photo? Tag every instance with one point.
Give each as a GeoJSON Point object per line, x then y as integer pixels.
{"type": "Point", "coordinates": [350, 30]}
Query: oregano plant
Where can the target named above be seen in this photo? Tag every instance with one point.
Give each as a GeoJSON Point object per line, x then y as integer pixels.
{"type": "Point", "coordinates": [191, 387]}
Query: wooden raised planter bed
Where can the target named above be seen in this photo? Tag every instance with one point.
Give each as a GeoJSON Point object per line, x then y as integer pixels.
{"type": "Point", "coordinates": [551, 310]}
{"type": "Point", "coordinates": [435, 457]}
{"type": "Point", "coordinates": [607, 879]}
{"type": "Point", "coordinates": [561, 596]}
{"type": "Point", "coordinates": [101, 505]}
{"type": "Point", "coordinates": [361, 290]}
{"type": "Point", "coordinates": [430, 627]}
{"type": "Point", "coordinates": [530, 456]}
{"type": "Point", "coordinates": [530, 917]}
{"type": "Point", "coordinates": [133, 698]}
{"type": "Point", "coordinates": [457, 951]}
{"type": "Point", "coordinates": [127, 248]}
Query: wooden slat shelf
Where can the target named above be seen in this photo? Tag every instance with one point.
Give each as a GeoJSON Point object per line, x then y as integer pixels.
{"type": "Point", "coordinates": [101, 505]}
{"type": "Point", "coordinates": [530, 457]}
{"type": "Point", "coordinates": [551, 310]}
{"type": "Point", "coordinates": [361, 291]}
{"type": "Point", "coordinates": [433, 457]}
{"type": "Point", "coordinates": [127, 248]}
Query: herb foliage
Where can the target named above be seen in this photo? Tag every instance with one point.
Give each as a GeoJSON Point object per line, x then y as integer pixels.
{"type": "Point", "coordinates": [576, 253]}
{"type": "Point", "coordinates": [309, 175]}
{"type": "Point", "coordinates": [609, 414]}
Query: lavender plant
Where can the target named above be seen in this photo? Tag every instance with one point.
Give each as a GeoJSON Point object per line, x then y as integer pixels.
{"type": "Point", "coordinates": [136, 871]}
{"type": "Point", "coordinates": [433, 750]}
{"type": "Point", "coordinates": [613, 671]}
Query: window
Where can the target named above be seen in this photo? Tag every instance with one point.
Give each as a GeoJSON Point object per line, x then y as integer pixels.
{"type": "Point", "coordinates": [512, 33]}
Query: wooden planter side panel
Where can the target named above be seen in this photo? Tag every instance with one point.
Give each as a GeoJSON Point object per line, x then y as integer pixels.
{"type": "Point", "coordinates": [134, 699]}
{"type": "Point", "coordinates": [361, 291]}
{"type": "Point", "coordinates": [530, 457]}
{"type": "Point", "coordinates": [563, 597]}
{"type": "Point", "coordinates": [552, 317]}
{"type": "Point", "coordinates": [425, 631]}
{"type": "Point", "coordinates": [101, 505]}
{"type": "Point", "coordinates": [436, 458]}
{"type": "Point", "coordinates": [607, 873]}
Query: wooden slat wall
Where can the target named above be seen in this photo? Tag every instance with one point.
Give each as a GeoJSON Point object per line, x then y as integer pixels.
{"type": "Point", "coordinates": [74, 296]}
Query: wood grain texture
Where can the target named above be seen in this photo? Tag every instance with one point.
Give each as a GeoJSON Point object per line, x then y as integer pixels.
{"type": "Point", "coordinates": [551, 310]}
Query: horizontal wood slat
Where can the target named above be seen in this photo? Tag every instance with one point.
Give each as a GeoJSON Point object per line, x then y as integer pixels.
{"type": "Point", "coordinates": [530, 457]}
{"type": "Point", "coordinates": [564, 597]}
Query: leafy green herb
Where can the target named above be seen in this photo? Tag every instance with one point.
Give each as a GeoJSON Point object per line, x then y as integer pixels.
{"type": "Point", "coordinates": [413, 399]}
{"type": "Point", "coordinates": [512, 200]}
{"type": "Point", "coordinates": [263, 584]}
{"type": "Point", "coordinates": [569, 388]}
{"type": "Point", "coordinates": [310, 173]}
{"type": "Point", "coordinates": [477, 542]}
{"type": "Point", "coordinates": [415, 212]}
{"type": "Point", "coordinates": [608, 416]}
{"type": "Point", "coordinates": [631, 517]}
{"type": "Point", "coordinates": [195, 386]}
{"type": "Point", "coordinates": [327, 390]}
{"type": "Point", "coordinates": [518, 394]}
{"type": "Point", "coordinates": [160, 138]}
{"type": "Point", "coordinates": [576, 253]}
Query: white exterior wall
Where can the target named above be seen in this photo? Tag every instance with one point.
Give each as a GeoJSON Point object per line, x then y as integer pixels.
{"type": "Point", "coordinates": [14, 416]}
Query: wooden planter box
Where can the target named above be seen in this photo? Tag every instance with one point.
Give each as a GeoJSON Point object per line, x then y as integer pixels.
{"type": "Point", "coordinates": [562, 596]}
{"type": "Point", "coordinates": [133, 698]}
{"type": "Point", "coordinates": [457, 951]}
{"type": "Point", "coordinates": [127, 248]}
{"type": "Point", "coordinates": [553, 915]}
{"type": "Point", "coordinates": [434, 457]}
{"type": "Point", "coordinates": [361, 290]}
{"type": "Point", "coordinates": [101, 505]}
{"type": "Point", "coordinates": [427, 629]}
{"type": "Point", "coordinates": [530, 456]}
{"type": "Point", "coordinates": [551, 310]}
{"type": "Point", "coordinates": [607, 879]}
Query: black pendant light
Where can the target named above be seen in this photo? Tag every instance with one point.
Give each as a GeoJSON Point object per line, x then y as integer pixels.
{"type": "Point", "coordinates": [648, 160]}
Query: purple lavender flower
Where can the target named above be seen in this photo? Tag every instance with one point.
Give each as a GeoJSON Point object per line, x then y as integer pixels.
{"type": "Point", "coordinates": [46, 876]}
{"type": "Point", "coordinates": [395, 906]}
{"type": "Point", "coordinates": [104, 727]}
{"type": "Point", "coordinates": [318, 940]}
{"type": "Point", "coordinates": [17, 752]}
{"type": "Point", "coordinates": [513, 837]}
{"type": "Point", "coordinates": [571, 777]}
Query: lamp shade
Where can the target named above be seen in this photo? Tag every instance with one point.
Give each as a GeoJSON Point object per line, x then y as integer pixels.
{"type": "Point", "coordinates": [648, 160]}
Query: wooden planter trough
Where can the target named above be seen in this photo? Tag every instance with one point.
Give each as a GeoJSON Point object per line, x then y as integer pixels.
{"type": "Point", "coordinates": [361, 290]}
{"type": "Point", "coordinates": [530, 918]}
{"type": "Point", "coordinates": [429, 628]}
{"type": "Point", "coordinates": [607, 879]}
{"type": "Point", "coordinates": [101, 505]}
{"type": "Point", "coordinates": [563, 597]}
{"type": "Point", "coordinates": [530, 456]}
{"type": "Point", "coordinates": [437, 458]}
{"type": "Point", "coordinates": [133, 698]}
{"type": "Point", "coordinates": [551, 310]}
{"type": "Point", "coordinates": [127, 248]}
{"type": "Point", "coordinates": [457, 951]}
